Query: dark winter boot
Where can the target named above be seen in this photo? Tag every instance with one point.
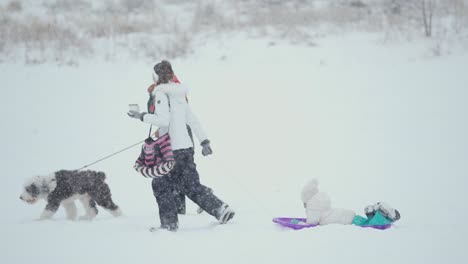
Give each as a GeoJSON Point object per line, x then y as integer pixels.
{"type": "Point", "coordinates": [386, 210]}
{"type": "Point", "coordinates": [389, 212]}
{"type": "Point", "coordinates": [224, 214]}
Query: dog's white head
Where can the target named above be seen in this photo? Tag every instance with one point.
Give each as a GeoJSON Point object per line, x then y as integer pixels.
{"type": "Point", "coordinates": [38, 187]}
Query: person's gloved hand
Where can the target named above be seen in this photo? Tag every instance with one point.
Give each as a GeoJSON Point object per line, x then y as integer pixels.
{"type": "Point", "coordinates": [137, 115]}
{"type": "Point", "coordinates": [206, 148]}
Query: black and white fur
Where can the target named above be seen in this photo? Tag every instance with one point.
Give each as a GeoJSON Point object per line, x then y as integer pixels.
{"type": "Point", "coordinates": [64, 187]}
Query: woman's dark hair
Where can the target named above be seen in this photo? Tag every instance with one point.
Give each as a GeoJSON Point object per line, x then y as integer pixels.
{"type": "Point", "coordinates": [164, 71]}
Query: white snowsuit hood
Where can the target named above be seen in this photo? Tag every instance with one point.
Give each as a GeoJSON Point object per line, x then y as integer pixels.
{"type": "Point", "coordinates": [309, 190]}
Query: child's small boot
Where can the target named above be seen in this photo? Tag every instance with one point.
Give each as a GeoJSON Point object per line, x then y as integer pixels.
{"type": "Point", "coordinates": [385, 209]}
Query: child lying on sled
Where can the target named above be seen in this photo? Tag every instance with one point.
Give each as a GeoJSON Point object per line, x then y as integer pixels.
{"type": "Point", "coordinates": [319, 210]}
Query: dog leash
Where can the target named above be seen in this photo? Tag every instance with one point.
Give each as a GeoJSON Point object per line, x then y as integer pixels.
{"type": "Point", "coordinates": [111, 155]}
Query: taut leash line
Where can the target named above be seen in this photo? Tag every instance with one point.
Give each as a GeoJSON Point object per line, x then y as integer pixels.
{"type": "Point", "coordinates": [113, 154]}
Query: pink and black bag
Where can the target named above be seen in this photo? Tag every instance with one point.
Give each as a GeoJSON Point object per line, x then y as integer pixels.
{"type": "Point", "coordinates": [156, 158]}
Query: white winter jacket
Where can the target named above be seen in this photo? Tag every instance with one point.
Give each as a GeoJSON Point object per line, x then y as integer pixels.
{"type": "Point", "coordinates": [173, 114]}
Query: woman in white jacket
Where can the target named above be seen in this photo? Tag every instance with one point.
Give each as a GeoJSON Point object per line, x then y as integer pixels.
{"type": "Point", "coordinates": [193, 127]}
{"type": "Point", "coordinates": [172, 115]}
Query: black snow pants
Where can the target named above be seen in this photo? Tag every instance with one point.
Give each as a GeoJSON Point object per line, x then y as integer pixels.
{"type": "Point", "coordinates": [184, 179]}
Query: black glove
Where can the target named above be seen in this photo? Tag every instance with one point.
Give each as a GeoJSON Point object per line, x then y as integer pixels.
{"type": "Point", "coordinates": [136, 115]}
{"type": "Point", "coordinates": [206, 148]}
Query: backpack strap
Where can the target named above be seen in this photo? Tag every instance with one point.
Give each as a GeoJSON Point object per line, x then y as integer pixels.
{"type": "Point", "coordinates": [151, 107]}
{"type": "Point", "coordinates": [168, 101]}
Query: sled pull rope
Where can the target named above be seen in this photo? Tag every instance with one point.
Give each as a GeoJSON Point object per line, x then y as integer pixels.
{"type": "Point", "coordinates": [249, 193]}
{"type": "Point", "coordinates": [111, 155]}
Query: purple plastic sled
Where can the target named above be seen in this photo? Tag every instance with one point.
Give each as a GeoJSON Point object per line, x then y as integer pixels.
{"type": "Point", "coordinates": [294, 223]}
{"type": "Point", "coordinates": [299, 223]}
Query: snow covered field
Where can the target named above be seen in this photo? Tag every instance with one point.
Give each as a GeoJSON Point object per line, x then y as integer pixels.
{"type": "Point", "coordinates": [372, 122]}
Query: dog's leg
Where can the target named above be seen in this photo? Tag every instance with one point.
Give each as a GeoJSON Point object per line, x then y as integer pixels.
{"type": "Point", "coordinates": [90, 207]}
{"type": "Point", "coordinates": [116, 212]}
{"type": "Point", "coordinates": [103, 198]}
{"type": "Point", "coordinates": [50, 209]}
{"type": "Point", "coordinates": [46, 214]}
{"type": "Point", "coordinates": [70, 209]}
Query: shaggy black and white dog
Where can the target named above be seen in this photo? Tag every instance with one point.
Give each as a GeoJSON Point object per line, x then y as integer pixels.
{"type": "Point", "coordinates": [64, 187]}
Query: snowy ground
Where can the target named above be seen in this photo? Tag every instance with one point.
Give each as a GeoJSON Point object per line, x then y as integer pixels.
{"type": "Point", "coordinates": [373, 122]}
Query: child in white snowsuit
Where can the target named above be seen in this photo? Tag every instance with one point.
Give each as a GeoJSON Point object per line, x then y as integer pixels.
{"type": "Point", "coordinates": [319, 210]}
{"type": "Point", "coordinates": [318, 207]}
